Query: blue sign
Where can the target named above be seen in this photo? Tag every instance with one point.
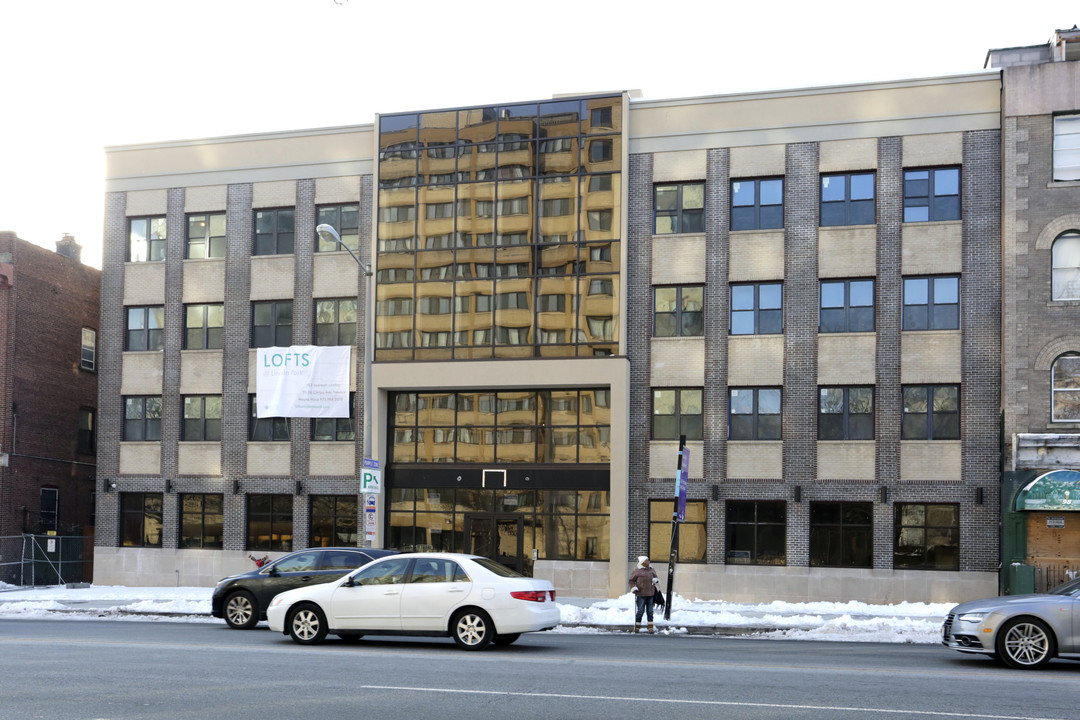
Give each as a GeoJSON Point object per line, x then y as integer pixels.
{"type": "Point", "coordinates": [369, 463]}
{"type": "Point", "coordinates": [681, 482]}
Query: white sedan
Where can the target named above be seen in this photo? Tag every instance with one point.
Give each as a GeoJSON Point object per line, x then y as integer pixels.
{"type": "Point", "coordinates": [473, 599]}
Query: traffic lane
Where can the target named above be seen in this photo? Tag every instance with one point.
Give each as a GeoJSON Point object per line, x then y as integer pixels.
{"type": "Point", "coordinates": [173, 670]}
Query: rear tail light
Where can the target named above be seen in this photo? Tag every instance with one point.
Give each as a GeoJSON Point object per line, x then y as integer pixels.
{"type": "Point", "coordinates": [552, 596]}
{"type": "Point", "coordinates": [532, 595]}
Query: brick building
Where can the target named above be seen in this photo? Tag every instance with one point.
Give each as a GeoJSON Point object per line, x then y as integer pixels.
{"type": "Point", "coordinates": [1040, 108]}
{"type": "Point", "coordinates": [805, 283]}
{"type": "Point", "coordinates": [49, 304]}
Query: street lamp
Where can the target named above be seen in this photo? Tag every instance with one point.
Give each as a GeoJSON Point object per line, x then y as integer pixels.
{"type": "Point", "coordinates": [329, 234]}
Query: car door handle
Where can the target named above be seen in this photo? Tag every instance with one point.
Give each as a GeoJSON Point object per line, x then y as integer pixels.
{"type": "Point", "coordinates": [456, 590]}
{"type": "Point", "coordinates": [391, 592]}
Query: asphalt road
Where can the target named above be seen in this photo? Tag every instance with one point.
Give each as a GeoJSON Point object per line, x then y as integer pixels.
{"type": "Point", "coordinates": [108, 670]}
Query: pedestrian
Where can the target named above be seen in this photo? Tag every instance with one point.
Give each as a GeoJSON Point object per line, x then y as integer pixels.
{"type": "Point", "coordinates": [643, 582]}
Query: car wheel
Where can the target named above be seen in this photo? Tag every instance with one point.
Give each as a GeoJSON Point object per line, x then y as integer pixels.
{"type": "Point", "coordinates": [241, 610]}
{"type": "Point", "coordinates": [307, 625]}
{"type": "Point", "coordinates": [1025, 643]}
{"type": "Point", "coordinates": [472, 629]}
{"type": "Point", "coordinates": [506, 639]}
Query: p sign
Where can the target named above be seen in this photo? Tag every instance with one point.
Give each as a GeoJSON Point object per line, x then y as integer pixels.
{"type": "Point", "coordinates": [370, 480]}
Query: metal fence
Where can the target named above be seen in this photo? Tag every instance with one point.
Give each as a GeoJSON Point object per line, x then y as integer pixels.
{"type": "Point", "coordinates": [46, 559]}
{"type": "Point", "coordinates": [1049, 573]}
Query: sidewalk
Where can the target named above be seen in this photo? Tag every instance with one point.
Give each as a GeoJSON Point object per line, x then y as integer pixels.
{"type": "Point", "coordinates": [850, 621]}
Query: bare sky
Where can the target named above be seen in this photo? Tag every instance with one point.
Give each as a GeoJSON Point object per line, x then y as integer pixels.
{"type": "Point", "coordinates": [76, 76]}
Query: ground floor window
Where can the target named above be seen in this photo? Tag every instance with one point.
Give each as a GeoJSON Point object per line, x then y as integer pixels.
{"type": "Point", "coordinates": [558, 524]}
{"type": "Point", "coordinates": [841, 534]}
{"type": "Point", "coordinates": [270, 522]}
{"type": "Point", "coordinates": [691, 532]}
{"type": "Point", "coordinates": [202, 521]}
{"type": "Point", "coordinates": [333, 521]}
{"type": "Point", "coordinates": [927, 537]}
{"type": "Point", "coordinates": [140, 519]}
{"type": "Point", "coordinates": [756, 532]}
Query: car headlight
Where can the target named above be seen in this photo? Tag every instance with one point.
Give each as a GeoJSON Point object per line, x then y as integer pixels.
{"type": "Point", "coordinates": [973, 617]}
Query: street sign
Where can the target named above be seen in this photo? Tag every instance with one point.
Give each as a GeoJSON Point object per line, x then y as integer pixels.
{"type": "Point", "coordinates": [371, 477]}
{"type": "Point", "coordinates": [370, 522]}
{"type": "Point", "coordinates": [681, 481]}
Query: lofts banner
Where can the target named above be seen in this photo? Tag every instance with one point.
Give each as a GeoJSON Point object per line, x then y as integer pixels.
{"type": "Point", "coordinates": [303, 381]}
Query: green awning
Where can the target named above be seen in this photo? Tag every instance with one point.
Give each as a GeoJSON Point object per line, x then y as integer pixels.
{"type": "Point", "coordinates": [1055, 490]}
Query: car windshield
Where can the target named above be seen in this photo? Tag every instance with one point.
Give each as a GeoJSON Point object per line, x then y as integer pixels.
{"type": "Point", "coordinates": [497, 568]}
{"type": "Point", "coordinates": [1071, 588]}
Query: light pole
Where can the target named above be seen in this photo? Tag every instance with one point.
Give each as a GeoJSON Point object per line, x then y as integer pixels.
{"type": "Point", "coordinates": [329, 234]}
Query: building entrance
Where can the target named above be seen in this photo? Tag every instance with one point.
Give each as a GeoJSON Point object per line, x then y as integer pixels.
{"type": "Point", "coordinates": [499, 536]}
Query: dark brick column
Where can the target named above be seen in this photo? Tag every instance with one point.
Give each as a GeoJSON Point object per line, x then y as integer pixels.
{"type": "Point", "coordinates": [171, 403]}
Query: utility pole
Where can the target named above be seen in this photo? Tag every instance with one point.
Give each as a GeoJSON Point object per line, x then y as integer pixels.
{"type": "Point", "coordinates": [677, 517]}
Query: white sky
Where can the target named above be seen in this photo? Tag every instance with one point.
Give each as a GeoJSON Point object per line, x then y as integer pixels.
{"type": "Point", "coordinates": [79, 75]}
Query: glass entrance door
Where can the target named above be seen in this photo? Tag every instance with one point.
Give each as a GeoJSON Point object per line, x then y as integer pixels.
{"type": "Point", "coordinates": [497, 536]}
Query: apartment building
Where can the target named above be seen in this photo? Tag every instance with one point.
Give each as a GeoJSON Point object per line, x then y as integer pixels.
{"type": "Point", "coordinates": [804, 284]}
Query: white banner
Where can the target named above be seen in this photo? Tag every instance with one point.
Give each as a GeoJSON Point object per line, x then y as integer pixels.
{"type": "Point", "coordinates": [303, 381]}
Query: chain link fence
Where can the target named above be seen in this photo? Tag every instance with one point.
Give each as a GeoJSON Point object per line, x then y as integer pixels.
{"type": "Point", "coordinates": [46, 559]}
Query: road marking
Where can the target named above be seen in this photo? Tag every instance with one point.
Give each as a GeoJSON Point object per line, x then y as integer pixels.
{"type": "Point", "coordinates": [723, 703]}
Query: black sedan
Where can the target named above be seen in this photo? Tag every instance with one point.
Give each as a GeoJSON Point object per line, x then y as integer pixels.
{"type": "Point", "coordinates": [242, 599]}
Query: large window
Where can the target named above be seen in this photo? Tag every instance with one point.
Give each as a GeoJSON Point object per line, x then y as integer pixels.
{"type": "Point", "coordinates": [204, 327]}
{"type": "Point", "coordinates": [271, 324]}
{"type": "Point", "coordinates": [932, 303]}
{"type": "Point", "coordinates": [754, 414]}
{"type": "Point", "coordinates": [145, 328]}
{"type": "Point", "coordinates": [927, 537]}
{"type": "Point", "coordinates": [676, 412]}
{"type": "Point", "coordinates": [846, 306]}
{"type": "Point", "coordinates": [846, 413]}
{"type": "Point", "coordinates": [140, 519]}
{"type": "Point", "coordinates": [269, 429]}
{"type": "Point", "coordinates": [757, 309]}
{"type": "Point", "coordinates": [335, 429]}
{"type": "Point", "coordinates": [206, 236]}
{"type": "Point", "coordinates": [87, 442]}
{"type": "Point", "coordinates": [335, 322]}
{"type": "Point", "coordinates": [692, 543]}
{"type": "Point", "coordinates": [679, 311]}
{"type": "Point", "coordinates": [333, 521]}
{"type": "Point", "coordinates": [270, 522]}
{"type": "Point", "coordinates": [1066, 388]}
{"type": "Point", "coordinates": [142, 418]}
{"type": "Point", "coordinates": [757, 204]}
{"type": "Point", "coordinates": [275, 231]}
{"type": "Point", "coordinates": [756, 532]}
{"type": "Point", "coordinates": [146, 239]}
{"type": "Point", "coordinates": [931, 412]}
{"type": "Point", "coordinates": [202, 521]}
{"type": "Point", "coordinates": [680, 208]}
{"type": "Point", "coordinates": [1065, 275]}
{"type": "Point", "coordinates": [49, 514]}
{"type": "Point", "coordinates": [514, 426]}
{"type": "Point", "coordinates": [1067, 147]}
{"type": "Point", "coordinates": [841, 534]}
{"type": "Point", "coordinates": [932, 194]}
{"type": "Point", "coordinates": [346, 220]}
{"type": "Point", "coordinates": [847, 199]}
{"type": "Point", "coordinates": [202, 418]}
{"type": "Point", "coordinates": [88, 353]}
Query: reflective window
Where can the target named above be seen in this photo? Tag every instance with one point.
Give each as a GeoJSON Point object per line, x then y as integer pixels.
{"type": "Point", "coordinates": [268, 429]}
{"type": "Point", "coordinates": [757, 309]}
{"type": "Point", "coordinates": [206, 236]}
{"type": "Point", "coordinates": [927, 537]}
{"type": "Point", "coordinates": [343, 218]}
{"type": "Point", "coordinates": [334, 523]}
{"type": "Point", "coordinates": [275, 231]}
{"type": "Point", "coordinates": [931, 412]}
{"type": "Point", "coordinates": [269, 522]}
{"type": "Point", "coordinates": [841, 534]}
{"type": "Point", "coordinates": [1066, 388]}
{"type": "Point", "coordinates": [1067, 147]}
{"type": "Point", "coordinates": [335, 322]}
{"type": "Point", "coordinates": [757, 204]}
{"type": "Point", "coordinates": [140, 519]}
{"type": "Point", "coordinates": [1065, 274]}
{"type": "Point", "coordinates": [932, 194]}
{"type": "Point", "coordinates": [846, 306]}
{"type": "Point", "coordinates": [677, 412]}
{"type": "Point", "coordinates": [146, 239]}
{"type": "Point", "coordinates": [846, 413]}
{"type": "Point", "coordinates": [145, 328]}
{"type": "Point", "coordinates": [692, 532]}
{"type": "Point", "coordinates": [271, 324]}
{"type": "Point", "coordinates": [679, 208]}
{"type": "Point", "coordinates": [202, 521]}
{"type": "Point", "coordinates": [142, 418]}
{"type": "Point", "coordinates": [204, 327]}
{"type": "Point", "coordinates": [756, 532]}
{"type": "Point", "coordinates": [754, 414]}
{"type": "Point", "coordinates": [202, 418]}
{"type": "Point", "coordinates": [847, 199]}
{"type": "Point", "coordinates": [932, 303]}
{"type": "Point", "coordinates": [679, 311]}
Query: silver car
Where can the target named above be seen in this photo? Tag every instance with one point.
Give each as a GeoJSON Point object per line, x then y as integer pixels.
{"type": "Point", "coordinates": [1021, 631]}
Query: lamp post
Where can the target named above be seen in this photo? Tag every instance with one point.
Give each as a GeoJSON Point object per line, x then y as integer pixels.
{"type": "Point", "coordinates": [329, 234]}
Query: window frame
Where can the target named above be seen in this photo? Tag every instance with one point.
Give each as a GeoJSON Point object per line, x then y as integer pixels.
{"type": "Point", "coordinates": [847, 207]}
{"type": "Point", "coordinates": [1070, 128]}
{"type": "Point", "coordinates": [279, 518]}
{"type": "Point", "coordinates": [755, 430]}
{"type": "Point", "coordinates": [343, 515]}
{"type": "Point", "coordinates": [155, 244]}
{"type": "Point", "coordinates": [899, 534]}
{"type": "Point", "coordinates": [202, 518]}
{"type": "Point", "coordinates": [149, 426]}
{"type": "Point", "coordinates": [679, 213]}
{"type": "Point", "coordinates": [1060, 288]}
{"type": "Point", "coordinates": [680, 316]}
{"type": "Point", "coordinates": [88, 350]}
{"type": "Point", "coordinates": [278, 429]}
{"type": "Point", "coordinates": [334, 215]}
{"type": "Point", "coordinates": [937, 204]}
{"type": "Point", "coordinates": [693, 530]}
{"type": "Point", "coordinates": [758, 217]}
{"type": "Point", "coordinates": [213, 246]}
{"type": "Point", "coordinates": [211, 337]}
{"type": "Point", "coordinates": [336, 326]}
{"type": "Point", "coordinates": [86, 437]}
{"type": "Point", "coordinates": [203, 427]}
{"type": "Point", "coordinates": [344, 429]}
{"type": "Point", "coordinates": [928, 425]}
{"type": "Point", "coordinates": [846, 430]}
{"type": "Point", "coordinates": [278, 241]}
{"type": "Point", "coordinates": [759, 526]}
{"type": "Point", "coordinates": [140, 514]}
{"type": "Point", "coordinates": [931, 305]}
{"type": "Point", "coordinates": [759, 314]}
{"type": "Point", "coordinates": [683, 423]}
{"type": "Point", "coordinates": [852, 321]}
{"type": "Point", "coordinates": [48, 519]}
{"type": "Point", "coordinates": [862, 557]}
{"type": "Point", "coordinates": [275, 307]}
{"type": "Point", "coordinates": [1064, 389]}
{"type": "Point", "coordinates": [153, 337]}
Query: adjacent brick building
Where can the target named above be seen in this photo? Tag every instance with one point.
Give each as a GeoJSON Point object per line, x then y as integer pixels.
{"type": "Point", "coordinates": [49, 305]}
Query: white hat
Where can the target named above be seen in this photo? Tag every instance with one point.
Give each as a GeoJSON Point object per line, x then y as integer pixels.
{"type": "Point", "coordinates": [642, 559]}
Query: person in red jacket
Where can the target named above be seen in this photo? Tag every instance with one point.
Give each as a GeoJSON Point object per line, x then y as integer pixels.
{"type": "Point", "coordinates": [643, 582]}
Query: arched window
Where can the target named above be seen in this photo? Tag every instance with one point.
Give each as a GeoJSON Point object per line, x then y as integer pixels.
{"type": "Point", "coordinates": [1066, 388]}
{"type": "Point", "coordinates": [1065, 278]}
